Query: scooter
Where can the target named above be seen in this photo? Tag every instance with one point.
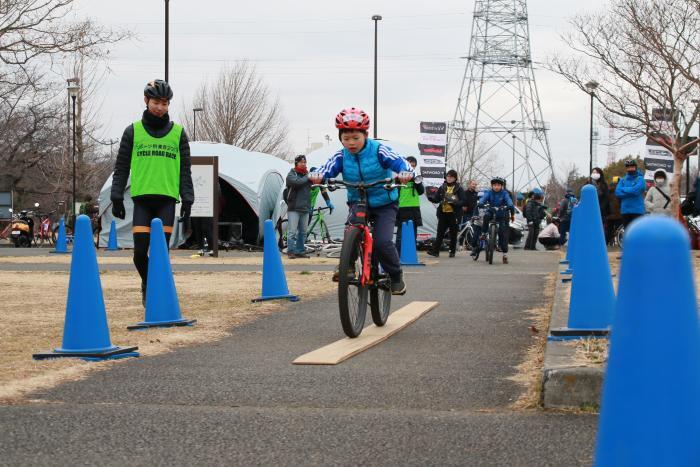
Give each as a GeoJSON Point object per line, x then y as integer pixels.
{"type": "Point", "coordinates": [22, 230]}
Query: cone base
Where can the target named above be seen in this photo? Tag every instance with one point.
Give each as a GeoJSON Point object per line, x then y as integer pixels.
{"type": "Point", "coordinates": [564, 261]}
{"type": "Point", "coordinates": [113, 249]}
{"type": "Point", "coordinates": [567, 271]}
{"type": "Point", "coordinates": [412, 264]}
{"type": "Point", "coordinates": [58, 252]}
{"type": "Point", "coordinates": [161, 324]}
{"type": "Point", "coordinates": [113, 353]}
{"type": "Point", "coordinates": [560, 334]}
{"type": "Point", "coordinates": [564, 280]}
{"type": "Point", "coordinates": [291, 298]}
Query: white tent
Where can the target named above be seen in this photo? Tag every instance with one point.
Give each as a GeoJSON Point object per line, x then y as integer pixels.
{"type": "Point", "coordinates": [251, 189]}
{"type": "Point", "coordinates": [336, 222]}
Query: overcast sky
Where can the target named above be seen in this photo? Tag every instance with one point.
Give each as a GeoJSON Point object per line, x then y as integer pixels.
{"type": "Point", "coordinates": [317, 56]}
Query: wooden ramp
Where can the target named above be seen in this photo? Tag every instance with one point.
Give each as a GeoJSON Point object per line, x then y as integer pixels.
{"type": "Point", "coordinates": [343, 349]}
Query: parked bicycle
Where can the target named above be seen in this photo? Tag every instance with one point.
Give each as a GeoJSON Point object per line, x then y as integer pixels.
{"type": "Point", "coordinates": [45, 231]}
{"type": "Point", "coordinates": [360, 280]}
{"type": "Point", "coordinates": [318, 238]}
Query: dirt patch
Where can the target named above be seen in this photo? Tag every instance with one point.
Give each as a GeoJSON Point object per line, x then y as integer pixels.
{"type": "Point", "coordinates": [219, 301]}
{"type": "Point", "coordinates": [529, 372]}
{"type": "Point", "coordinates": [591, 352]}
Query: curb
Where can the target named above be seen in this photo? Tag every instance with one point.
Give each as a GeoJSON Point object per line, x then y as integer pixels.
{"type": "Point", "coordinates": [566, 383]}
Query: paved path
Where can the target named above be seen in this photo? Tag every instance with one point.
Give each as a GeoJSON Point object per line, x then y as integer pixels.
{"type": "Point", "coordinates": [436, 393]}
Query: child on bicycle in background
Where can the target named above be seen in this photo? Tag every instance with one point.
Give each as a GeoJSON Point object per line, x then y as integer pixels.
{"type": "Point", "coordinates": [363, 159]}
{"type": "Point", "coordinates": [498, 197]}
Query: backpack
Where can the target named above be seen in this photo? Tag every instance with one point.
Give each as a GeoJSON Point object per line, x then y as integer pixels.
{"type": "Point", "coordinates": [288, 195]}
{"type": "Point", "coordinates": [688, 204]}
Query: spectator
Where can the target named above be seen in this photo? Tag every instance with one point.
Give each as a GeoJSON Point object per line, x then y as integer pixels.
{"type": "Point", "coordinates": [534, 213]}
{"type": "Point", "coordinates": [657, 200]}
{"type": "Point", "coordinates": [298, 206]}
{"type": "Point", "coordinates": [409, 205]}
{"type": "Point", "coordinates": [549, 237]}
{"type": "Point", "coordinates": [630, 192]}
{"type": "Point", "coordinates": [450, 198]}
{"type": "Point", "coordinates": [598, 181]}
{"type": "Point", "coordinates": [566, 207]}
{"type": "Point", "coordinates": [614, 219]}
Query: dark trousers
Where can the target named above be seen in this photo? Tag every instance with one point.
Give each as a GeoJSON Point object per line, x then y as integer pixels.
{"type": "Point", "coordinates": [533, 230]}
{"type": "Point", "coordinates": [384, 220]}
{"type": "Point", "coordinates": [203, 227]}
{"type": "Point", "coordinates": [564, 230]}
{"type": "Point", "coordinates": [549, 242]}
{"type": "Point", "coordinates": [446, 221]}
{"type": "Point", "coordinates": [628, 218]}
{"type": "Point", "coordinates": [503, 231]}
{"type": "Point", "coordinates": [145, 210]}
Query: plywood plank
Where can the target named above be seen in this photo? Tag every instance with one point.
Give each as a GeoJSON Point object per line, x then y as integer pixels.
{"type": "Point", "coordinates": [343, 349]}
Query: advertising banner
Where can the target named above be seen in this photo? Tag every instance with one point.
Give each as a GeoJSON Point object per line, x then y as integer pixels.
{"type": "Point", "coordinates": [432, 147]}
{"type": "Point", "coordinates": [656, 158]}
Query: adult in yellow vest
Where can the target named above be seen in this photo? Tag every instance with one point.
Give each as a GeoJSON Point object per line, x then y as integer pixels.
{"type": "Point", "coordinates": [409, 205]}
{"type": "Point", "coordinates": [156, 152]}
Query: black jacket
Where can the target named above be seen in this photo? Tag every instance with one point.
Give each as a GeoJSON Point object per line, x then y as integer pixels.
{"type": "Point", "coordinates": [534, 211]}
{"type": "Point", "coordinates": [457, 203]}
{"type": "Point", "coordinates": [157, 128]}
{"type": "Point", "coordinates": [471, 199]}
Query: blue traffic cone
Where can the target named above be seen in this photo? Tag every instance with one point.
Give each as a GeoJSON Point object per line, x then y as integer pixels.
{"type": "Point", "coordinates": [409, 256]}
{"type": "Point", "coordinates": [650, 413]}
{"type": "Point", "coordinates": [61, 244]}
{"type": "Point", "coordinates": [113, 245]}
{"type": "Point", "coordinates": [571, 243]}
{"type": "Point", "coordinates": [85, 330]}
{"type": "Point", "coordinates": [592, 296]}
{"type": "Point", "coordinates": [162, 304]}
{"type": "Point", "coordinates": [274, 282]}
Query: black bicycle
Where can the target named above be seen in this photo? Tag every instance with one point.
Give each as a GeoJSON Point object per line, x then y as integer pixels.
{"type": "Point", "coordinates": [489, 236]}
{"type": "Point", "coordinates": [359, 279]}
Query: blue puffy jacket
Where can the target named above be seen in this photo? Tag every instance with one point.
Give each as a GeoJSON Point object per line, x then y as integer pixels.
{"type": "Point", "coordinates": [630, 192]}
{"type": "Point", "coordinates": [374, 162]}
{"type": "Point", "coordinates": [497, 200]}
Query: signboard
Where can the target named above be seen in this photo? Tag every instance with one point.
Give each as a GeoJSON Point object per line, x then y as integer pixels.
{"type": "Point", "coordinates": [432, 144]}
{"type": "Point", "coordinates": [205, 180]}
{"type": "Point", "coordinates": [657, 158]}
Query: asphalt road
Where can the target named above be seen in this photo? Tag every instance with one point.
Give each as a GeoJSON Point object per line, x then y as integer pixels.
{"type": "Point", "coordinates": [436, 393]}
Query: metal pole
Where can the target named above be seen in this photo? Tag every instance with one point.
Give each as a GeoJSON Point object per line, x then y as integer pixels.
{"type": "Point", "coordinates": [512, 187]}
{"type": "Point", "coordinates": [194, 129]}
{"type": "Point", "coordinates": [167, 34]}
{"type": "Point", "coordinates": [73, 209]}
{"type": "Point", "coordinates": [375, 18]}
{"type": "Point", "coordinates": [590, 161]}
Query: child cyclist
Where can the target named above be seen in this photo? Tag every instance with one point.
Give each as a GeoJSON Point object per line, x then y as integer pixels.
{"type": "Point", "coordinates": [364, 159]}
{"type": "Point", "coordinates": [498, 197]}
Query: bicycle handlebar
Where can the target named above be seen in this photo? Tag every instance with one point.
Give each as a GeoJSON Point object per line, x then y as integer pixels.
{"type": "Point", "coordinates": [389, 184]}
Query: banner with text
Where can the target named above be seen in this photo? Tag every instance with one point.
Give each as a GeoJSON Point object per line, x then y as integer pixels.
{"type": "Point", "coordinates": [656, 158]}
{"type": "Point", "coordinates": [432, 147]}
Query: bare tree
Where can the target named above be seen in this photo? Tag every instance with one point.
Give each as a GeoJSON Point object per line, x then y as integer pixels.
{"type": "Point", "coordinates": [645, 55]}
{"type": "Point", "coordinates": [239, 110]}
{"type": "Point", "coordinates": [466, 166]}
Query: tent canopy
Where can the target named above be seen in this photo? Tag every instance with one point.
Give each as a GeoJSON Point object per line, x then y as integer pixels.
{"type": "Point", "coordinates": [251, 192]}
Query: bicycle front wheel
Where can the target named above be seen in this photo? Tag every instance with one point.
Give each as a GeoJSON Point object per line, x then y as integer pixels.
{"type": "Point", "coordinates": [492, 243]}
{"type": "Point", "coordinates": [380, 301]}
{"type": "Point", "coordinates": [352, 296]}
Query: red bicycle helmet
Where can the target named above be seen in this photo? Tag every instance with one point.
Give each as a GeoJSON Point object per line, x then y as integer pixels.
{"type": "Point", "coordinates": [352, 119]}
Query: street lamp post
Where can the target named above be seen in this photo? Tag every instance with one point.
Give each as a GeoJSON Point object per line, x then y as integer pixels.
{"type": "Point", "coordinates": [73, 90]}
{"type": "Point", "coordinates": [697, 152]}
{"type": "Point", "coordinates": [167, 36]}
{"type": "Point", "coordinates": [376, 19]}
{"type": "Point", "coordinates": [512, 187]}
{"type": "Point", "coordinates": [194, 126]}
{"type": "Point", "coordinates": [591, 86]}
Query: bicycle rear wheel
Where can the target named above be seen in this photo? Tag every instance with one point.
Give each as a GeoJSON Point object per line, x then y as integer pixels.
{"type": "Point", "coordinates": [352, 297]}
{"type": "Point", "coordinates": [492, 243]}
{"type": "Point", "coordinates": [380, 301]}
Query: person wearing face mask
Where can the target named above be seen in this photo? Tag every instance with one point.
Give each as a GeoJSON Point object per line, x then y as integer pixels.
{"type": "Point", "coordinates": [657, 200]}
{"type": "Point", "coordinates": [597, 179]}
{"type": "Point", "coordinates": [450, 198]}
{"type": "Point", "coordinates": [630, 192]}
